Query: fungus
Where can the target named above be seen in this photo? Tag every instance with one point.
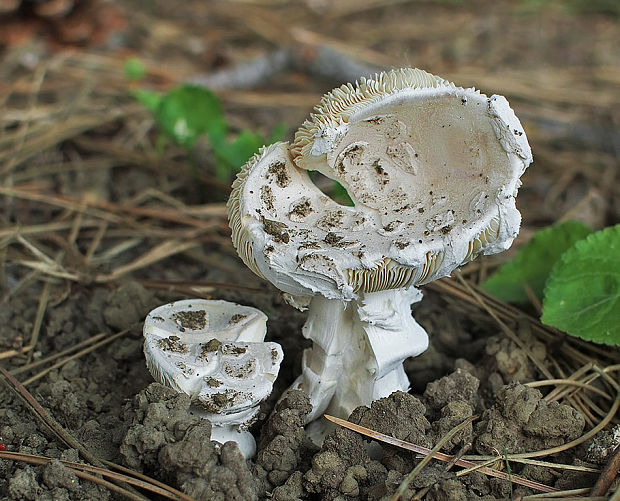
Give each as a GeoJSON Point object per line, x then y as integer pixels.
{"type": "Point", "coordinates": [433, 171]}
{"type": "Point", "coordinates": [214, 352]}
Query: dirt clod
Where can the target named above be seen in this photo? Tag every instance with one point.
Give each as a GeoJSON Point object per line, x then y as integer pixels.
{"type": "Point", "coordinates": [283, 441]}
{"type": "Point", "coordinates": [521, 420]}
{"type": "Point", "coordinates": [204, 473]}
{"type": "Point", "coordinates": [401, 415]}
{"type": "Point", "coordinates": [128, 304]}
{"type": "Point", "coordinates": [157, 416]}
{"type": "Point", "coordinates": [460, 385]}
{"type": "Point", "coordinates": [342, 469]}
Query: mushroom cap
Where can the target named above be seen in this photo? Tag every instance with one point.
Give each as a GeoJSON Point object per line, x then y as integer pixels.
{"type": "Point", "coordinates": [195, 346]}
{"type": "Point", "coordinates": [197, 319]}
{"type": "Point", "coordinates": [433, 170]}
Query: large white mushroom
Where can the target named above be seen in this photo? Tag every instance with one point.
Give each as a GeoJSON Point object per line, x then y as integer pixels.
{"type": "Point", "coordinates": [433, 170]}
{"type": "Point", "coordinates": [214, 352]}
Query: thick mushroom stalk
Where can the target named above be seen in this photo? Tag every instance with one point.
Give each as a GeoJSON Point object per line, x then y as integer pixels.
{"type": "Point", "coordinates": [433, 171]}
{"type": "Point", "coordinates": [358, 349]}
{"type": "Point", "coordinates": [214, 352]}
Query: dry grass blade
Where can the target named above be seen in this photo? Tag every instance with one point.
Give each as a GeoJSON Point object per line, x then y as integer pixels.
{"type": "Point", "coordinates": [568, 382]}
{"type": "Point", "coordinates": [115, 250]}
{"type": "Point", "coordinates": [427, 459]}
{"type": "Point", "coordinates": [38, 320]}
{"type": "Point", "coordinates": [175, 216]}
{"type": "Point", "coordinates": [548, 464]}
{"type": "Point", "coordinates": [559, 494]}
{"type": "Point", "coordinates": [559, 392]}
{"type": "Point", "coordinates": [53, 270]}
{"type": "Point", "coordinates": [14, 353]}
{"type": "Point", "coordinates": [64, 203]}
{"type": "Point", "coordinates": [43, 361]}
{"type": "Point", "coordinates": [438, 455]}
{"type": "Point", "coordinates": [142, 481]}
{"type": "Point", "coordinates": [161, 251]}
{"type": "Point", "coordinates": [40, 460]}
{"type": "Point", "coordinates": [79, 354]}
{"type": "Point", "coordinates": [571, 495]}
{"type": "Point", "coordinates": [13, 231]}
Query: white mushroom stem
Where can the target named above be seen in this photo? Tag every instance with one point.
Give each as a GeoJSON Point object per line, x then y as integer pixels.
{"type": "Point", "coordinates": [358, 349]}
{"type": "Point", "coordinates": [231, 427]}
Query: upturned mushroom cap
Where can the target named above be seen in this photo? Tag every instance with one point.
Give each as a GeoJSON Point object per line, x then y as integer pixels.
{"type": "Point", "coordinates": [433, 170]}
{"type": "Point", "coordinates": [196, 347]}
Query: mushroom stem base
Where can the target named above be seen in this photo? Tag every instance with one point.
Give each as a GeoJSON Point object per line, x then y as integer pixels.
{"type": "Point", "coordinates": [358, 350]}
{"type": "Point", "coordinates": [232, 427]}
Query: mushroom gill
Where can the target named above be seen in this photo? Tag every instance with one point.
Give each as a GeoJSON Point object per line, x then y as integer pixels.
{"type": "Point", "coordinates": [387, 275]}
{"type": "Point", "coordinates": [240, 239]}
{"type": "Point", "coordinates": [338, 105]}
{"type": "Point", "coordinates": [488, 235]}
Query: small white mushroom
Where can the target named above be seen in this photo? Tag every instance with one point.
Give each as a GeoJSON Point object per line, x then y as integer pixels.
{"type": "Point", "coordinates": [433, 170]}
{"type": "Point", "coordinates": [214, 352]}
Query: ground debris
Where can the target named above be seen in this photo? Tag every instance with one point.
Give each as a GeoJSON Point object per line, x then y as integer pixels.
{"type": "Point", "coordinates": [521, 420]}
{"type": "Point", "coordinates": [283, 444]}
{"type": "Point", "coordinates": [205, 473]}
{"type": "Point", "coordinates": [158, 416]}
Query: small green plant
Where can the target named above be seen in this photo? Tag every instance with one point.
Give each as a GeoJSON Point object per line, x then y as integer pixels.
{"type": "Point", "coordinates": [577, 274]}
{"type": "Point", "coordinates": [134, 69]}
{"type": "Point", "coordinates": [189, 112]}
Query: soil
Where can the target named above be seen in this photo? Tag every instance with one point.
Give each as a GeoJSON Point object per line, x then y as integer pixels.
{"type": "Point", "coordinates": [119, 210]}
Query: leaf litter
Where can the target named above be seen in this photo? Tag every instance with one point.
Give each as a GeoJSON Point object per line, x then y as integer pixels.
{"type": "Point", "coordinates": [99, 226]}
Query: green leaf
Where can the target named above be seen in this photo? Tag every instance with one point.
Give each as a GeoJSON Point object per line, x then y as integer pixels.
{"type": "Point", "coordinates": [187, 112]}
{"type": "Point", "coordinates": [341, 195]}
{"type": "Point", "coordinates": [243, 147]}
{"type": "Point", "coordinates": [277, 134]}
{"type": "Point", "coordinates": [148, 98]}
{"type": "Point", "coordinates": [134, 69]}
{"type": "Point", "coordinates": [231, 155]}
{"type": "Point", "coordinates": [533, 262]}
{"type": "Point", "coordinates": [582, 296]}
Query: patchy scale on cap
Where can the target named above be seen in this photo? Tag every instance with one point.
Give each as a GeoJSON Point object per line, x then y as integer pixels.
{"type": "Point", "coordinates": [200, 320]}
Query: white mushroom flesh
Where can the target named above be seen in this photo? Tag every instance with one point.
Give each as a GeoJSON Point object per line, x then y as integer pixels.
{"type": "Point", "coordinates": [213, 351]}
